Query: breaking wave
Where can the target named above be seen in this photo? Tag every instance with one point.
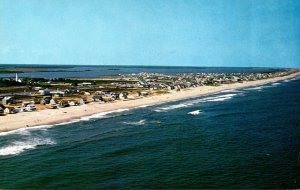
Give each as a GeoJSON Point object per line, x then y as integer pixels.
{"type": "Point", "coordinates": [18, 147]}
{"type": "Point", "coordinates": [143, 106]}
{"type": "Point", "coordinates": [275, 84]}
{"type": "Point", "coordinates": [214, 98]}
{"type": "Point", "coordinates": [218, 99]}
{"type": "Point", "coordinates": [101, 115]}
{"type": "Point", "coordinates": [26, 131]}
{"type": "Point", "coordinates": [163, 109]}
{"type": "Point", "coordinates": [196, 112]}
{"type": "Point", "coordinates": [141, 122]}
{"type": "Point", "coordinates": [259, 88]}
{"type": "Point", "coordinates": [255, 88]}
{"type": "Point", "coordinates": [231, 90]}
{"type": "Point", "coordinates": [193, 102]}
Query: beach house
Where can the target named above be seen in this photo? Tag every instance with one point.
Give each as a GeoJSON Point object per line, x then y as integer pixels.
{"type": "Point", "coordinates": [63, 104]}
{"type": "Point", "coordinates": [28, 106]}
{"type": "Point", "coordinates": [52, 104]}
{"type": "Point", "coordinates": [82, 101]}
{"type": "Point", "coordinates": [2, 108]}
{"type": "Point", "coordinates": [123, 95]}
{"type": "Point", "coordinates": [45, 100]}
{"type": "Point", "coordinates": [10, 110]}
{"type": "Point", "coordinates": [44, 92]}
{"type": "Point", "coordinates": [7, 100]}
{"type": "Point", "coordinates": [97, 98]}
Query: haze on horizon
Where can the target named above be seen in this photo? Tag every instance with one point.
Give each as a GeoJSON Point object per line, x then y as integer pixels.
{"type": "Point", "coordinates": [248, 33]}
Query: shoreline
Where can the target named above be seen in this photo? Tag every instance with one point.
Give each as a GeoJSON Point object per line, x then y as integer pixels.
{"type": "Point", "coordinates": [69, 114]}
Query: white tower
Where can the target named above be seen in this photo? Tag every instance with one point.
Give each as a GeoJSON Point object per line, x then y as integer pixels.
{"type": "Point", "coordinates": [17, 78]}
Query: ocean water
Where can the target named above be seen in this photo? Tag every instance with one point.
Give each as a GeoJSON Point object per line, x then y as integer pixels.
{"type": "Point", "coordinates": [72, 71]}
{"type": "Point", "coordinates": [245, 138]}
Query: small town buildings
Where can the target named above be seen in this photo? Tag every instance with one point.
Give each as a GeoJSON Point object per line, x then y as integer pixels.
{"type": "Point", "coordinates": [2, 108]}
{"type": "Point", "coordinates": [44, 92]}
{"type": "Point", "coordinates": [28, 106]}
{"type": "Point", "coordinates": [57, 93]}
{"type": "Point", "coordinates": [45, 100]}
{"type": "Point", "coordinates": [99, 93]}
{"type": "Point", "coordinates": [97, 98]}
{"type": "Point", "coordinates": [73, 103]}
{"type": "Point", "coordinates": [52, 104]}
{"type": "Point", "coordinates": [71, 91]}
{"type": "Point", "coordinates": [7, 100]}
{"type": "Point", "coordinates": [85, 84]}
{"type": "Point", "coordinates": [63, 104]}
{"type": "Point", "coordinates": [37, 88]}
{"type": "Point", "coordinates": [10, 110]}
{"type": "Point", "coordinates": [123, 95]}
{"type": "Point", "coordinates": [115, 95]}
{"type": "Point", "coordinates": [81, 102]}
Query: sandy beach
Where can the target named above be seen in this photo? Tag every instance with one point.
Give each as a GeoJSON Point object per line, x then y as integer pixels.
{"type": "Point", "coordinates": [56, 116]}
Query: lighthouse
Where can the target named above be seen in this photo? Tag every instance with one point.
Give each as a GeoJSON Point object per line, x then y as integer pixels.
{"type": "Point", "coordinates": [17, 78]}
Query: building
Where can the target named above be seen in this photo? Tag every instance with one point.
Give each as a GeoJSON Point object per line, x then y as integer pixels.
{"type": "Point", "coordinates": [97, 98]}
{"type": "Point", "coordinates": [7, 100]}
{"type": "Point", "coordinates": [2, 108]}
{"type": "Point", "coordinates": [17, 78]}
{"type": "Point", "coordinates": [44, 92]}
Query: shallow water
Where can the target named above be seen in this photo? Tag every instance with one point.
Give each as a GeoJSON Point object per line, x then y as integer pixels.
{"type": "Point", "coordinates": [102, 70]}
{"type": "Point", "coordinates": [246, 138]}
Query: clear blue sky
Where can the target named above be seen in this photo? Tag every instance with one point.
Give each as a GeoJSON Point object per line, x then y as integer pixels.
{"type": "Point", "coordinates": [151, 32]}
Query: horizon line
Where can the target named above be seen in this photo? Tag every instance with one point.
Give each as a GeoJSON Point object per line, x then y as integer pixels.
{"type": "Point", "coordinates": [46, 64]}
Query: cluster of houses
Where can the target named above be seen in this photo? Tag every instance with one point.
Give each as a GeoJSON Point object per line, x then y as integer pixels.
{"type": "Point", "coordinates": [57, 99]}
{"type": "Point", "coordinates": [29, 106]}
{"type": "Point", "coordinates": [156, 81]}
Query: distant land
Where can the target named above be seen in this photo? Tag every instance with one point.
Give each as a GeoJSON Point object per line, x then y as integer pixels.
{"type": "Point", "coordinates": [92, 71]}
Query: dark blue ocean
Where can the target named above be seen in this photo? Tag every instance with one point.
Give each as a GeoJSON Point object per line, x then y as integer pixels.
{"type": "Point", "coordinates": [245, 138]}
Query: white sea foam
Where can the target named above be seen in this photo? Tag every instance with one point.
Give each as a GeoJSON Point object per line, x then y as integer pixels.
{"type": "Point", "coordinates": [143, 106]}
{"type": "Point", "coordinates": [189, 103]}
{"type": "Point", "coordinates": [193, 102]}
{"type": "Point", "coordinates": [101, 115]}
{"type": "Point", "coordinates": [197, 101]}
{"type": "Point", "coordinates": [255, 88]}
{"type": "Point", "coordinates": [18, 147]}
{"type": "Point", "coordinates": [219, 98]}
{"type": "Point", "coordinates": [275, 84]}
{"type": "Point", "coordinates": [196, 112]}
{"type": "Point", "coordinates": [26, 131]}
{"type": "Point", "coordinates": [232, 90]}
{"type": "Point", "coordinates": [260, 88]}
{"type": "Point", "coordinates": [67, 122]}
{"type": "Point", "coordinates": [227, 95]}
{"type": "Point", "coordinates": [141, 122]}
{"type": "Point", "coordinates": [163, 109]}
{"type": "Point", "coordinates": [294, 79]}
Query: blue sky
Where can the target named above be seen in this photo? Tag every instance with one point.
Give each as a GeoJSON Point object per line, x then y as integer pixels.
{"type": "Point", "coordinates": [151, 32]}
